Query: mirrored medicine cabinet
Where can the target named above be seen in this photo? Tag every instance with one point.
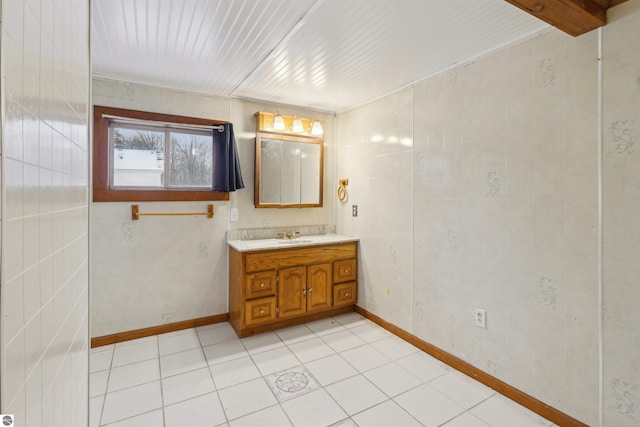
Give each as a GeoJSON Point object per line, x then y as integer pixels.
{"type": "Point", "coordinates": [288, 167]}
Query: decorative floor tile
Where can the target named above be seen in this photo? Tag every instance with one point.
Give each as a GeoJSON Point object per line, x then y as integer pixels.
{"type": "Point", "coordinates": [291, 383]}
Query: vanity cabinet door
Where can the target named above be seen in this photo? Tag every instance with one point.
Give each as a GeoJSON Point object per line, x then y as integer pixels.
{"type": "Point", "coordinates": [344, 270]}
{"type": "Point", "coordinates": [319, 287]}
{"type": "Point", "coordinates": [292, 291]}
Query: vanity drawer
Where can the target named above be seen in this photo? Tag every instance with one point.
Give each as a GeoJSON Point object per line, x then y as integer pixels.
{"type": "Point", "coordinates": [344, 293]}
{"type": "Point", "coordinates": [291, 257]}
{"type": "Point", "coordinates": [260, 311]}
{"type": "Point", "coordinates": [262, 284]}
{"type": "Point", "coordinates": [344, 270]}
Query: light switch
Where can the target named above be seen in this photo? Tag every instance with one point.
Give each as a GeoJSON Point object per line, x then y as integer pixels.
{"type": "Point", "coordinates": [234, 215]}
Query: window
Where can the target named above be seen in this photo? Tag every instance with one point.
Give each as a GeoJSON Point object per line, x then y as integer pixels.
{"type": "Point", "coordinates": [141, 156]}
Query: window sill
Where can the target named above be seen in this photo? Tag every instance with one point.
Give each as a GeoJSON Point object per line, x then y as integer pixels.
{"type": "Point", "coordinates": [157, 196]}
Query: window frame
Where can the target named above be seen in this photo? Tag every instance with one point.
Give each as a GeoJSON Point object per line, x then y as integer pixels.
{"type": "Point", "coordinates": [102, 191]}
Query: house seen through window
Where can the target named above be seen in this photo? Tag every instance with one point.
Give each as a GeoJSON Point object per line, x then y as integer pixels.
{"type": "Point", "coordinates": [153, 156]}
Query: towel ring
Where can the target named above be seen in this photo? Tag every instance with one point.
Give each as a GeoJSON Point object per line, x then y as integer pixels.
{"type": "Point", "coordinates": [342, 189]}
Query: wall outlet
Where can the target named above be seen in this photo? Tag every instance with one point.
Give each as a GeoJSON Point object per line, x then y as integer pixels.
{"type": "Point", "coordinates": [354, 210]}
{"type": "Point", "coordinates": [481, 318]}
{"type": "Point", "coordinates": [234, 215]}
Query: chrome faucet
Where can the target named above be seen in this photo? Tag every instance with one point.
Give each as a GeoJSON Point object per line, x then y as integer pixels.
{"type": "Point", "coordinates": [287, 236]}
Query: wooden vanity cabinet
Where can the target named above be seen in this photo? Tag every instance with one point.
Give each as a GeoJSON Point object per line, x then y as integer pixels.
{"type": "Point", "coordinates": [270, 289]}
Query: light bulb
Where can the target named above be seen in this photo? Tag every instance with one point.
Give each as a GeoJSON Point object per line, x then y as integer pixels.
{"type": "Point", "coordinates": [278, 122]}
{"type": "Point", "coordinates": [316, 128]}
{"type": "Point", "coordinates": [297, 125]}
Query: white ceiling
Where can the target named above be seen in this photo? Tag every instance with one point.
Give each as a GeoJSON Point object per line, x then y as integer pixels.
{"type": "Point", "coordinates": [328, 55]}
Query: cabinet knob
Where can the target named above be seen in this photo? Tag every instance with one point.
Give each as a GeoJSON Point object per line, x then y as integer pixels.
{"type": "Point", "coordinates": [262, 285]}
{"type": "Point", "coordinates": [346, 271]}
{"type": "Point", "coordinates": [346, 294]}
{"type": "Point", "coordinates": [262, 311]}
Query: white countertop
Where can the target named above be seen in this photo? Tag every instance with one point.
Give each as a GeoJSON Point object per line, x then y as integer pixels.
{"type": "Point", "coordinates": [302, 241]}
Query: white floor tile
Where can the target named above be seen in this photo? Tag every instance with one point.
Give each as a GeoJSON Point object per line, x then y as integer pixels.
{"type": "Point", "coordinates": [95, 410]}
{"type": "Point", "coordinates": [311, 349]}
{"type": "Point", "coordinates": [356, 394]}
{"type": "Point", "coordinates": [342, 340]}
{"type": "Point", "coordinates": [498, 411]}
{"type": "Point", "coordinates": [149, 419]}
{"type": "Point", "coordinates": [314, 409]}
{"type": "Point", "coordinates": [131, 401]}
{"type": "Point", "coordinates": [201, 411]}
{"type": "Point", "coordinates": [175, 343]}
{"type": "Point", "coordinates": [291, 383]}
{"type": "Point", "coordinates": [463, 390]}
{"type": "Point", "coordinates": [152, 338]}
{"type": "Point", "coordinates": [347, 422]}
{"type": "Point", "coordinates": [100, 360]}
{"type": "Point", "coordinates": [178, 363]}
{"type": "Point", "coordinates": [134, 374]}
{"type": "Point", "coordinates": [262, 342]}
{"type": "Point", "coordinates": [245, 398]}
{"type": "Point", "coordinates": [369, 332]}
{"type": "Point", "coordinates": [350, 320]}
{"type": "Point", "coordinates": [392, 379]}
{"type": "Point", "coordinates": [466, 419]}
{"type": "Point", "coordinates": [394, 348]}
{"type": "Point", "coordinates": [423, 366]}
{"type": "Point", "coordinates": [325, 326]}
{"type": "Point", "coordinates": [364, 358]}
{"type": "Point", "coordinates": [348, 355]}
{"type": "Point", "coordinates": [234, 372]}
{"type": "Point", "coordinates": [215, 334]}
{"type": "Point", "coordinates": [109, 347]}
{"type": "Point", "coordinates": [275, 360]}
{"type": "Point", "coordinates": [142, 350]}
{"type": "Point", "coordinates": [386, 414]}
{"type": "Point", "coordinates": [273, 416]}
{"type": "Point", "coordinates": [294, 334]}
{"type": "Point", "coordinates": [428, 406]}
{"type": "Point", "coordinates": [98, 383]}
{"type": "Point", "coordinates": [186, 386]}
{"type": "Point", "coordinates": [329, 370]}
{"type": "Point", "coordinates": [224, 351]}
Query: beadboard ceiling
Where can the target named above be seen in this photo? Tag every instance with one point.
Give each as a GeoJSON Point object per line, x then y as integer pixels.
{"type": "Point", "coordinates": [328, 55]}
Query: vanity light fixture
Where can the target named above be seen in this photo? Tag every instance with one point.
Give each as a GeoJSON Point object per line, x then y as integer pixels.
{"type": "Point", "coordinates": [316, 128]}
{"type": "Point", "coordinates": [278, 122]}
{"type": "Point", "coordinates": [297, 125]}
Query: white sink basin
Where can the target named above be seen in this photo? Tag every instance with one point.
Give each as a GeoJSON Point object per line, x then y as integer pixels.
{"type": "Point", "coordinates": [261, 244]}
{"type": "Point", "coordinates": [294, 242]}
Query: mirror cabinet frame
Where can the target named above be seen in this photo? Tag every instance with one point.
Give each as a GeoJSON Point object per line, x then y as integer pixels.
{"type": "Point", "coordinates": [264, 129]}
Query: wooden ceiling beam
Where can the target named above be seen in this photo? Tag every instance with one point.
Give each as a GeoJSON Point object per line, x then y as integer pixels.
{"type": "Point", "coordinates": [574, 17]}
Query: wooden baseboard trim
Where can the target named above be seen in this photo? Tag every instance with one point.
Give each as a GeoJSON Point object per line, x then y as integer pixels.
{"type": "Point", "coordinates": [500, 386]}
{"type": "Point", "coordinates": [155, 330]}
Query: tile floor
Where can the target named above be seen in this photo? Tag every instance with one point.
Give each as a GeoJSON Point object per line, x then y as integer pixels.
{"type": "Point", "coordinates": [341, 371]}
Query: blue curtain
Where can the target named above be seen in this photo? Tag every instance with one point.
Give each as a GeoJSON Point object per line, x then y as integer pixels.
{"type": "Point", "coordinates": [226, 165]}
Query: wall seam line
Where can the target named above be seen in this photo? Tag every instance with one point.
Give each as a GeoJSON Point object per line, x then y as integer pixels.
{"type": "Point", "coordinates": [600, 240]}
